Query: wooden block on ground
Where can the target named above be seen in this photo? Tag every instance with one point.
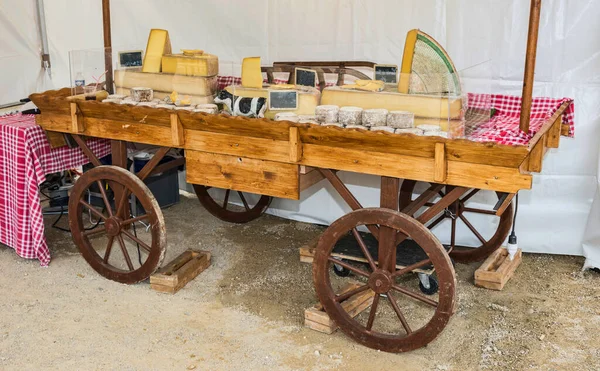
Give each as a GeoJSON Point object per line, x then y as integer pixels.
{"type": "Point", "coordinates": [497, 269]}
{"type": "Point", "coordinates": [173, 276]}
{"type": "Point", "coordinates": [307, 252]}
{"type": "Point", "coordinates": [317, 319]}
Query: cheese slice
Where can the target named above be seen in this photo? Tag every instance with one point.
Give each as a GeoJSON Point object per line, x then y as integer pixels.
{"type": "Point", "coordinates": [191, 65]}
{"type": "Point", "coordinates": [251, 74]}
{"type": "Point", "coordinates": [158, 45]}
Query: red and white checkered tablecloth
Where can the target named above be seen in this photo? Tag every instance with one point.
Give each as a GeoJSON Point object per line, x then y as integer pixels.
{"type": "Point", "coordinates": [25, 159]}
{"type": "Point", "coordinates": [503, 127]}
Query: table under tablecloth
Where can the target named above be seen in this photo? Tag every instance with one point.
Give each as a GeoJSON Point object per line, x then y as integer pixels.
{"type": "Point", "coordinates": [25, 160]}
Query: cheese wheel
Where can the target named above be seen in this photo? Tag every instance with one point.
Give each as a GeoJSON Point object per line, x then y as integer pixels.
{"type": "Point", "coordinates": [327, 113]}
{"type": "Point", "coordinates": [208, 106]}
{"type": "Point", "coordinates": [374, 117]}
{"type": "Point", "coordinates": [332, 124]}
{"type": "Point", "coordinates": [142, 94]}
{"type": "Point", "coordinates": [415, 131]}
{"type": "Point", "coordinates": [350, 116]}
{"type": "Point", "coordinates": [389, 129]}
{"type": "Point", "coordinates": [286, 116]}
{"type": "Point", "coordinates": [438, 133]}
{"type": "Point", "coordinates": [401, 119]}
{"type": "Point", "coordinates": [428, 127]}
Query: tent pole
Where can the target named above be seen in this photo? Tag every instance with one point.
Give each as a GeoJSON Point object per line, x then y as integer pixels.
{"type": "Point", "coordinates": [107, 45]}
{"type": "Point", "coordinates": [532, 40]}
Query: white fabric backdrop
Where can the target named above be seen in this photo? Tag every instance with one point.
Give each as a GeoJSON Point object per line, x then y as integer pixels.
{"type": "Point", "coordinates": [552, 217]}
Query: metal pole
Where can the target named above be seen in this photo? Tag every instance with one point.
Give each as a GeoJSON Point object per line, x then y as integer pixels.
{"type": "Point", "coordinates": [43, 37]}
{"type": "Point", "coordinates": [532, 41]}
{"type": "Point", "coordinates": [107, 45]}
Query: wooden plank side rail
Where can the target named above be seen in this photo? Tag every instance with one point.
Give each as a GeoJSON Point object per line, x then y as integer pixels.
{"type": "Point", "coordinates": [76, 119]}
{"type": "Point", "coordinates": [440, 163]}
{"type": "Point", "coordinates": [295, 145]}
{"type": "Point", "coordinates": [177, 133]}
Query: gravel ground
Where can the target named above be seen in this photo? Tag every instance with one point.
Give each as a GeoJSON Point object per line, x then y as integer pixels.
{"type": "Point", "coordinates": [246, 311]}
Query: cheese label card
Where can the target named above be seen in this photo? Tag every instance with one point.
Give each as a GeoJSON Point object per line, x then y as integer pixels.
{"type": "Point", "coordinates": [280, 100]}
{"type": "Point", "coordinates": [387, 73]}
{"type": "Point", "coordinates": [305, 77]}
{"type": "Point", "coordinates": [130, 59]}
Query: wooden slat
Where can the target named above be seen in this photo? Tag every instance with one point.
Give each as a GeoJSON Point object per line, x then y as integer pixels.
{"type": "Point", "coordinates": [86, 150]}
{"type": "Point", "coordinates": [187, 266]}
{"type": "Point", "coordinates": [76, 119]}
{"type": "Point", "coordinates": [242, 174]}
{"type": "Point", "coordinates": [536, 156]}
{"type": "Point", "coordinates": [497, 269]}
{"type": "Point", "coordinates": [177, 133]}
{"type": "Point", "coordinates": [295, 145]}
{"type": "Point", "coordinates": [565, 130]}
{"type": "Point", "coordinates": [553, 136]}
{"type": "Point", "coordinates": [309, 179]}
{"type": "Point", "coordinates": [440, 163]}
{"type": "Point", "coordinates": [505, 204]}
{"type": "Point", "coordinates": [494, 178]}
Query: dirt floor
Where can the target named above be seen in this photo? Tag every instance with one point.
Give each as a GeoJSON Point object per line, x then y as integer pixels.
{"type": "Point", "coordinates": [246, 311]}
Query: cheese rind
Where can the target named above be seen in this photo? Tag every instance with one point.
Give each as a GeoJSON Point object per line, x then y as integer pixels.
{"type": "Point", "coordinates": [327, 113]}
{"type": "Point", "coordinates": [350, 116]}
{"type": "Point", "coordinates": [158, 45]}
{"type": "Point", "coordinates": [374, 117]}
{"type": "Point", "coordinates": [401, 119]}
{"type": "Point", "coordinates": [251, 73]}
{"type": "Point", "coordinates": [204, 65]}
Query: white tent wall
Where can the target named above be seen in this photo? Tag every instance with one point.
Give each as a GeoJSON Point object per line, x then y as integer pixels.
{"type": "Point", "coordinates": [552, 217]}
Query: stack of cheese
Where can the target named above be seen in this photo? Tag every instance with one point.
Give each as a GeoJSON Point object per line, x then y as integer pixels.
{"type": "Point", "coordinates": [253, 86]}
{"type": "Point", "coordinates": [192, 72]}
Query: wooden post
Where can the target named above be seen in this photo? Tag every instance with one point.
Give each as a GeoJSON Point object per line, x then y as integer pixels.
{"type": "Point", "coordinates": [532, 40]}
{"type": "Point", "coordinates": [107, 45]}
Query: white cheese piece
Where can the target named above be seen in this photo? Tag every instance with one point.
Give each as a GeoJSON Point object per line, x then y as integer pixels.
{"type": "Point", "coordinates": [209, 106]}
{"type": "Point", "coordinates": [286, 116]}
{"type": "Point", "coordinates": [389, 129]}
{"type": "Point", "coordinates": [428, 127]}
{"type": "Point", "coordinates": [401, 119]}
{"type": "Point", "coordinates": [332, 124]}
{"type": "Point", "coordinates": [205, 110]}
{"type": "Point", "coordinates": [374, 117]}
{"type": "Point", "coordinates": [415, 131]}
{"type": "Point", "coordinates": [438, 133]}
{"type": "Point", "coordinates": [327, 113]}
{"type": "Point", "coordinates": [350, 116]}
{"type": "Point", "coordinates": [356, 127]}
{"type": "Point", "coordinates": [167, 106]}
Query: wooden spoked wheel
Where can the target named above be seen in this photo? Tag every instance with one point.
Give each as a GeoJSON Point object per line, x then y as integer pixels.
{"type": "Point", "coordinates": [459, 211]}
{"type": "Point", "coordinates": [227, 211]}
{"type": "Point", "coordinates": [113, 246]}
{"type": "Point", "coordinates": [400, 318]}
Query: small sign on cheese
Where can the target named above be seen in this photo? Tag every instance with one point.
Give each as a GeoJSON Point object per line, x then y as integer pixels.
{"type": "Point", "coordinates": [158, 45]}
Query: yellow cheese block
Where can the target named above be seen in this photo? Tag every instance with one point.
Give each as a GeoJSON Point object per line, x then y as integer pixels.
{"type": "Point", "coordinates": [390, 99]}
{"type": "Point", "coordinates": [192, 85]}
{"type": "Point", "coordinates": [191, 65]}
{"type": "Point", "coordinates": [158, 45]}
{"type": "Point", "coordinates": [195, 99]}
{"type": "Point", "coordinates": [308, 99]}
{"type": "Point", "coordinates": [251, 74]}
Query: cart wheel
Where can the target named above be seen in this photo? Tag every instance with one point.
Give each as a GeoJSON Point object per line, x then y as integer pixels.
{"type": "Point", "coordinates": [459, 212]}
{"type": "Point", "coordinates": [340, 271]}
{"type": "Point", "coordinates": [141, 249]}
{"type": "Point", "coordinates": [228, 212]}
{"type": "Point", "coordinates": [385, 326]}
{"type": "Point", "coordinates": [430, 286]}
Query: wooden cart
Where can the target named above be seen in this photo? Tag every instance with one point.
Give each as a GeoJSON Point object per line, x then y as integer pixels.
{"type": "Point", "coordinates": [280, 159]}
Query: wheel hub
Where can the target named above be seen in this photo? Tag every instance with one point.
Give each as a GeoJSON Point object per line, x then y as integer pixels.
{"type": "Point", "coordinates": [380, 281]}
{"type": "Point", "coordinates": [113, 226]}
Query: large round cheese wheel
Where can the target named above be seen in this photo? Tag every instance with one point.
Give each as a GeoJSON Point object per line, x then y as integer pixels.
{"type": "Point", "coordinates": [327, 113]}
{"type": "Point", "coordinates": [350, 116]}
{"type": "Point", "coordinates": [374, 117]}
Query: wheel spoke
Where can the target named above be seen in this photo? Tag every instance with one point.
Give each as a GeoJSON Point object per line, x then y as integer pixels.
{"type": "Point", "coordinates": [453, 233]}
{"type": "Point", "coordinates": [364, 248]}
{"type": "Point", "coordinates": [244, 201]}
{"type": "Point", "coordinates": [94, 231]}
{"type": "Point", "coordinates": [125, 253]}
{"type": "Point", "coordinates": [478, 211]}
{"type": "Point", "coordinates": [226, 199]}
{"type": "Point", "coordinates": [123, 201]}
{"type": "Point", "coordinates": [137, 240]}
{"type": "Point", "coordinates": [475, 232]}
{"type": "Point", "coordinates": [134, 220]}
{"type": "Point", "coordinates": [93, 210]}
{"type": "Point", "coordinates": [346, 295]}
{"type": "Point", "coordinates": [437, 221]}
{"type": "Point", "coordinates": [416, 296]}
{"type": "Point", "coordinates": [372, 312]}
{"type": "Point", "coordinates": [411, 268]}
{"type": "Point", "coordinates": [469, 195]}
{"type": "Point", "coordinates": [103, 193]}
{"type": "Point", "coordinates": [399, 313]}
{"type": "Point", "coordinates": [111, 239]}
{"type": "Point", "coordinates": [349, 267]}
